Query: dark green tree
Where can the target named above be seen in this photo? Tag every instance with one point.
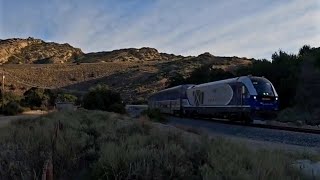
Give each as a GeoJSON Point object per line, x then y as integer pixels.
{"type": "Point", "coordinates": [306, 49]}
{"type": "Point", "coordinates": [67, 98]}
{"type": "Point", "coordinates": [282, 71]}
{"type": "Point", "coordinates": [102, 98]}
{"type": "Point", "coordinates": [36, 97]}
{"type": "Point", "coordinates": [10, 105]}
{"type": "Point", "coordinates": [207, 73]}
{"type": "Point", "coordinates": [176, 80]}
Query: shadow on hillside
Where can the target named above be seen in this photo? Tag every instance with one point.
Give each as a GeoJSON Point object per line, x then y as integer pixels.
{"type": "Point", "coordinates": [124, 82]}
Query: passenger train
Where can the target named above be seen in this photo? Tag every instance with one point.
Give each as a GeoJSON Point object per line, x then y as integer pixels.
{"type": "Point", "coordinates": [236, 98]}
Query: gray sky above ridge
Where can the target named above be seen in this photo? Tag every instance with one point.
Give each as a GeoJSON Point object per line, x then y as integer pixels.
{"type": "Point", "coordinates": [244, 28]}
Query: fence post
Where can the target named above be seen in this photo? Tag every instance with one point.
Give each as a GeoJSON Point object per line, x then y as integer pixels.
{"type": "Point", "coordinates": [47, 170]}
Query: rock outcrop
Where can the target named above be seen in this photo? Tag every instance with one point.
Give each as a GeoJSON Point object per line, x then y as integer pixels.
{"type": "Point", "coordinates": [128, 55]}
{"type": "Point", "coordinates": [36, 51]}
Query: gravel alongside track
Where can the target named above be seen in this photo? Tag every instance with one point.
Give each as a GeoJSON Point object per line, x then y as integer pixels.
{"type": "Point", "coordinates": [259, 134]}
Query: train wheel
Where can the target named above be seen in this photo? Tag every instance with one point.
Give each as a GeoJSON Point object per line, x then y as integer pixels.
{"type": "Point", "coordinates": [186, 113]}
{"type": "Point", "coordinates": [181, 113]}
{"type": "Point", "coordinates": [248, 119]}
{"type": "Point", "coordinates": [194, 114]}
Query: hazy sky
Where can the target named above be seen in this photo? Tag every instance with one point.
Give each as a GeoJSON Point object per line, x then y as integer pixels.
{"type": "Point", "coordinates": [251, 28]}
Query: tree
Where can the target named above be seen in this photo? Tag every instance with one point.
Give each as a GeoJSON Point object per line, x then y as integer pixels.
{"type": "Point", "coordinates": [176, 80]}
{"type": "Point", "coordinates": [308, 89]}
{"type": "Point", "coordinates": [102, 98]}
{"type": "Point", "coordinates": [66, 98]}
{"type": "Point", "coordinates": [11, 104]}
{"type": "Point", "coordinates": [305, 50]}
{"type": "Point", "coordinates": [206, 74]}
{"type": "Point", "coordinates": [36, 97]}
{"type": "Point", "coordinates": [12, 108]}
{"type": "Point", "coordinates": [282, 71]}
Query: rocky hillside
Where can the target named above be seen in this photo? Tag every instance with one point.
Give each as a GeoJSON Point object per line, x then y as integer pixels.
{"type": "Point", "coordinates": [128, 55]}
{"type": "Point", "coordinates": [135, 73]}
{"type": "Point", "coordinates": [36, 51]}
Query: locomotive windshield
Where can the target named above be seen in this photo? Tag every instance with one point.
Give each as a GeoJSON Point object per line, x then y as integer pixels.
{"type": "Point", "coordinates": [262, 86]}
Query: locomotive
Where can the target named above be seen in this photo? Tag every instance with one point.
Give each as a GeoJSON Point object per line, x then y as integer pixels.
{"type": "Point", "coordinates": [241, 98]}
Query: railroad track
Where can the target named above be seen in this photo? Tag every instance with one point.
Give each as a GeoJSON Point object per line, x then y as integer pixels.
{"type": "Point", "coordinates": [287, 128]}
{"type": "Point", "coordinates": [259, 125]}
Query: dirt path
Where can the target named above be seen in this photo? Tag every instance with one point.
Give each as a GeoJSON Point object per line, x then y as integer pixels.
{"type": "Point", "coordinates": [5, 120]}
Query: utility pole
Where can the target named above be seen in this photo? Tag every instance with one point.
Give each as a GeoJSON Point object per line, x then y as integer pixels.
{"type": "Point", "coordinates": [3, 91]}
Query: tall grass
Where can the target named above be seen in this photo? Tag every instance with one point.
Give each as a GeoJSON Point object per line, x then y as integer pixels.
{"type": "Point", "coordinates": [100, 145]}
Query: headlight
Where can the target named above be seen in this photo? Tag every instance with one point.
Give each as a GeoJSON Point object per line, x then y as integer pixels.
{"type": "Point", "coordinates": [254, 97]}
{"type": "Point", "coordinates": [276, 98]}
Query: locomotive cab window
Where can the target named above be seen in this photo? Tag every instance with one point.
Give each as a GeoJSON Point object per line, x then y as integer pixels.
{"type": "Point", "coordinates": [262, 86]}
{"type": "Point", "coordinates": [244, 91]}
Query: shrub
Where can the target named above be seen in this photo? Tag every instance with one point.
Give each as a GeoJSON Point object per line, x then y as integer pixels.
{"type": "Point", "coordinates": [12, 87]}
{"type": "Point", "coordinates": [36, 98]}
{"type": "Point", "coordinates": [99, 145]}
{"type": "Point", "coordinates": [118, 108]}
{"type": "Point", "coordinates": [12, 108]}
{"type": "Point", "coordinates": [233, 161]}
{"type": "Point", "coordinates": [138, 101]}
{"type": "Point", "coordinates": [102, 98]}
{"type": "Point", "coordinates": [298, 116]}
{"type": "Point", "coordinates": [10, 97]}
{"type": "Point", "coordinates": [11, 104]}
{"type": "Point", "coordinates": [155, 115]}
{"type": "Point", "coordinates": [67, 98]}
{"type": "Point", "coordinates": [73, 79]}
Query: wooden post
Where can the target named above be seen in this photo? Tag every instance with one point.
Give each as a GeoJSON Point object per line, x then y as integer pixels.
{"type": "Point", "coordinates": [2, 92]}
{"type": "Point", "coordinates": [47, 171]}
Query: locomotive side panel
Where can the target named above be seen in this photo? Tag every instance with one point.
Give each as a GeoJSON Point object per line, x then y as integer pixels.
{"type": "Point", "coordinates": [212, 95]}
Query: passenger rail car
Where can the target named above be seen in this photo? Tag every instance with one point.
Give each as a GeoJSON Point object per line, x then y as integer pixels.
{"type": "Point", "coordinates": [233, 98]}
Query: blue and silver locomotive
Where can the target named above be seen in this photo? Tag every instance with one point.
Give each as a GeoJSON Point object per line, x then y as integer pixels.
{"type": "Point", "coordinates": [243, 97]}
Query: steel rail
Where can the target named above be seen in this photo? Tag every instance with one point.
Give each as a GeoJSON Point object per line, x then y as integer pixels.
{"type": "Point", "coordinates": [257, 125]}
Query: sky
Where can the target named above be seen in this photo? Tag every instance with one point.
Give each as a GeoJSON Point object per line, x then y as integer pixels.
{"type": "Point", "coordinates": [244, 28]}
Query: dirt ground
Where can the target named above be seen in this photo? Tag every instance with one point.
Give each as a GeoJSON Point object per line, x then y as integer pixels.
{"type": "Point", "coordinates": [5, 120]}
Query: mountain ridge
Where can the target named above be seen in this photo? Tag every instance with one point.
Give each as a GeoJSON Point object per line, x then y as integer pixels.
{"type": "Point", "coordinates": [135, 73]}
{"type": "Point", "coordinates": [37, 51]}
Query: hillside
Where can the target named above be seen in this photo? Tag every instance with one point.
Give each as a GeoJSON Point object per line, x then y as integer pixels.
{"type": "Point", "coordinates": [36, 51]}
{"type": "Point", "coordinates": [128, 55]}
{"type": "Point", "coordinates": [135, 73]}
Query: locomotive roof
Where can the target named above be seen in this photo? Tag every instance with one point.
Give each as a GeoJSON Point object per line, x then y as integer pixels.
{"type": "Point", "coordinates": [172, 88]}
{"type": "Point", "coordinates": [244, 79]}
{"type": "Point", "coordinates": [221, 81]}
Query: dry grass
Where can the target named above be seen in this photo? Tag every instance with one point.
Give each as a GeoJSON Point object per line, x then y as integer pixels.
{"type": "Point", "coordinates": [188, 129]}
{"type": "Point", "coordinates": [60, 75]}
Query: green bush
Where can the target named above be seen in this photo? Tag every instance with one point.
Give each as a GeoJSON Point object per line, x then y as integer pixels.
{"type": "Point", "coordinates": [155, 115]}
{"type": "Point", "coordinates": [67, 98]}
{"type": "Point", "coordinates": [118, 108]}
{"type": "Point", "coordinates": [36, 98]}
{"type": "Point", "coordinates": [298, 116]}
{"type": "Point", "coordinates": [102, 98]}
{"type": "Point", "coordinates": [11, 104]}
{"type": "Point", "coordinates": [12, 108]}
{"type": "Point", "coordinates": [10, 97]}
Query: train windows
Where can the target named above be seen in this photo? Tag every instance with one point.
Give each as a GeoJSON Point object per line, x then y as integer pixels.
{"type": "Point", "coordinates": [244, 91]}
{"type": "Point", "coordinates": [262, 86]}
